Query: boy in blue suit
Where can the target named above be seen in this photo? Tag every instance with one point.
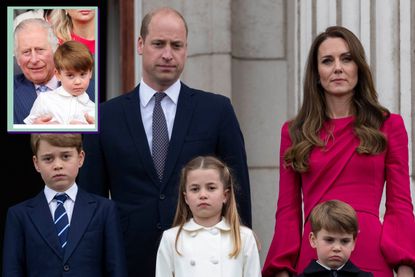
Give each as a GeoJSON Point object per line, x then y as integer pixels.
{"type": "Point", "coordinates": [89, 242]}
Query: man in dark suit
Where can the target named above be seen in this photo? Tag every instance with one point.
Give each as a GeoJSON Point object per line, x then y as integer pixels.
{"type": "Point", "coordinates": [34, 46]}
{"type": "Point", "coordinates": [88, 242]}
{"type": "Point", "coordinates": [120, 157]}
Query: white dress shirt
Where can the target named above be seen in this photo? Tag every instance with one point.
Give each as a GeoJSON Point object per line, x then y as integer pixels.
{"type": "Point", "coordinates": [51, 85]}
{"type": "Point", "coordinates": [168, 104]}
{"type": "Point", "coordinates": [62, 106]}
{"type": "Point", "coordinates": [69, 203]}
{"type": "Point", "coordinates": [205, 252]}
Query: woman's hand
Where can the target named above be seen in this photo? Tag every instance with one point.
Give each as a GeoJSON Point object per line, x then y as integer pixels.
{"type": "Point", "coordinates": [405, 271]}
{"type": "Point", "coordinates": [282, 274]}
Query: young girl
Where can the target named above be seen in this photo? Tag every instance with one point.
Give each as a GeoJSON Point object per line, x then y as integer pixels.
{"type": "Point", "coordinates": [207, 239]}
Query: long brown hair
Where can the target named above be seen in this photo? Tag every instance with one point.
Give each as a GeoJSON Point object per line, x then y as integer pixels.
{"type": "Point", "coordinates": [229, 210]}
{"type": "Point", "coordinates": [369, 113]}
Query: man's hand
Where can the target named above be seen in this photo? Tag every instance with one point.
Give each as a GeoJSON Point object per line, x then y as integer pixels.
{"type": "Point", "coordinates": [46, 119]}
{"type": "Point", "coordinates": [89, 119]}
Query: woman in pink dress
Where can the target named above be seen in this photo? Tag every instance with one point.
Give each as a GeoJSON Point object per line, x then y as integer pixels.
{"type": "Point", "coordinates": [75, 24]}
{"type": "Point", "coordinates": [343, 144]}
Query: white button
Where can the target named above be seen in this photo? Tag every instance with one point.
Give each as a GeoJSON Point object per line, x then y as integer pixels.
{"type": "Point", "coordinates": [214, 260]}
{"type": "Point", "coordinates": [192, 263]}
{"type": "Point", "coordinates": [214, 231]}
{"type": "Point", "coordinates": [193, 234]}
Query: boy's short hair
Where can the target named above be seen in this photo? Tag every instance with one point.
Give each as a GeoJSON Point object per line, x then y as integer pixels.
{"type": "Point", "coordinates": [73, 55]}
{"type": "Point", "coordinates": [334, 216]}
{"type": "Point", "coordinates": [59, 140]}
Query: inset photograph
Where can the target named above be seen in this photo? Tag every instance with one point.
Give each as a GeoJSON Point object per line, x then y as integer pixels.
{"type": "Point", "coordinates": [52, 65]}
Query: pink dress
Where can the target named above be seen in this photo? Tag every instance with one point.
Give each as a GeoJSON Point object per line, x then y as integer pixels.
{"type": "Point", "coordinates": [339, 172]}
{"type": "Point", "coordinates": [89, 43]}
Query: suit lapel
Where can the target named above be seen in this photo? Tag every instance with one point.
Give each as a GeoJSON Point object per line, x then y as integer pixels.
{"type": "Point", "coordinates": [184, 111]}
{"type": "Point", "coordinates": [41, 217]}
{"type": "Point", "coordinates": [82, 213]}
{"type": "Point", "coordinates": [135, 124]}
{"type": "Point", "coordinates": [24, 97]}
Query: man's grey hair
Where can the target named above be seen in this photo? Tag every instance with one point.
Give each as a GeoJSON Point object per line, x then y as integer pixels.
{"type": "Point", "coordinates": [52, 39]}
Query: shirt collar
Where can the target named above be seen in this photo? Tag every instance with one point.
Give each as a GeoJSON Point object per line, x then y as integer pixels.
{"type": "Point", "coordinates": [71, 192]}
{"type": "Point", "coordinates": [146, 92]}
{"type": "Point", "coordinates": [191, 225]}
{"type": "Point", "coordinates": [328, 268]}
{"type": "Point", "coordinates": [82, 98]}
{"type": "Point", "coordinates": [52, 84]}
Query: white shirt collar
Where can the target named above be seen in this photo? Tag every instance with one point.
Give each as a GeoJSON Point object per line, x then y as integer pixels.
{"type": "Point", "coordinates": [52, 84]}
{"type": "Point", "coordinates": [191, 225]}
{"type": "Point", "coordinates": [71, 192]}
{"type": "Point", "coordinates": [82, 98]}
{"type": "Point", "coordinates": [146, 92]}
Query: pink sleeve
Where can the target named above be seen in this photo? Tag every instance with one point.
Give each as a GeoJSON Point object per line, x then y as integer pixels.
{"type": "Point", "coordinates": [398, 233]}
{"type": "Point", "coordinates": [285, 245]}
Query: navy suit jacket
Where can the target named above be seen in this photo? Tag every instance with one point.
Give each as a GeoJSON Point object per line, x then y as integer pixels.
{"type": "Point", "coordinates": [118, 159]}
{"type": "Point", "coordinates": [95, 245]}
{"type": "Point", "coordinates": [24, 95]}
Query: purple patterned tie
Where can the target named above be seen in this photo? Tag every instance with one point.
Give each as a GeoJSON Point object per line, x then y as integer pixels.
{"type": "Point", "coordinates": [160, 141]}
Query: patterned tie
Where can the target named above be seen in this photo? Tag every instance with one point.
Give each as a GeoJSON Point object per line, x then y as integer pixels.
{"type": "Point", "coordinates": [160, 135]}
{"type": "Point", "coordinates": [61, 219]}
{"type": "Point", "coordinates": [333, 273]}
{"type": "Point", "coordinates": [42, 88]}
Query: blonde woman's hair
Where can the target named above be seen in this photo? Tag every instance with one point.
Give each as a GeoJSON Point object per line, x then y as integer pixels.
{"type": "Point", "coordinates": [62, 24]}
{"type": "Point", "coordinates": [229, 209]}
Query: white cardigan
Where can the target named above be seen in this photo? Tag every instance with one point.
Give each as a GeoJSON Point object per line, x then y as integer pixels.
{"type": "Point", "coordinates": [205, 252]}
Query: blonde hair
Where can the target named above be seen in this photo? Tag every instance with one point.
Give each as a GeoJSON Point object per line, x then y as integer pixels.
{"type": "Point", "coordinates": [62, 24]}
{"type": "Point", "coordinates": [229, 209]}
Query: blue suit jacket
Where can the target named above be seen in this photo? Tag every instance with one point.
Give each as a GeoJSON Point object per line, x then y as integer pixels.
{"type": "Point", "coordinates": [118, 159]}
{"type": "Point", "coordinates": [94, 248]}
{"type": "Point", "coordinates": [24, 95]}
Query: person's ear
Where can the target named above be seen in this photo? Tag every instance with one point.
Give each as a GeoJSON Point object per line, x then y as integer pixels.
{"type": "Point", "coordinates": [58, 75]}
{"type": "Point", "coordinates": [225, 196]}
{"type": "Point", "coordinates": [140, 45]}
{"type": "Point", "coordinates": [81, 157]}
{"type": "Point", "coordinates": [35, 161]}
{"type": "Point", "coordinates": [185, 197]}
{"type": "Point", "coordinates": [312, 239]}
